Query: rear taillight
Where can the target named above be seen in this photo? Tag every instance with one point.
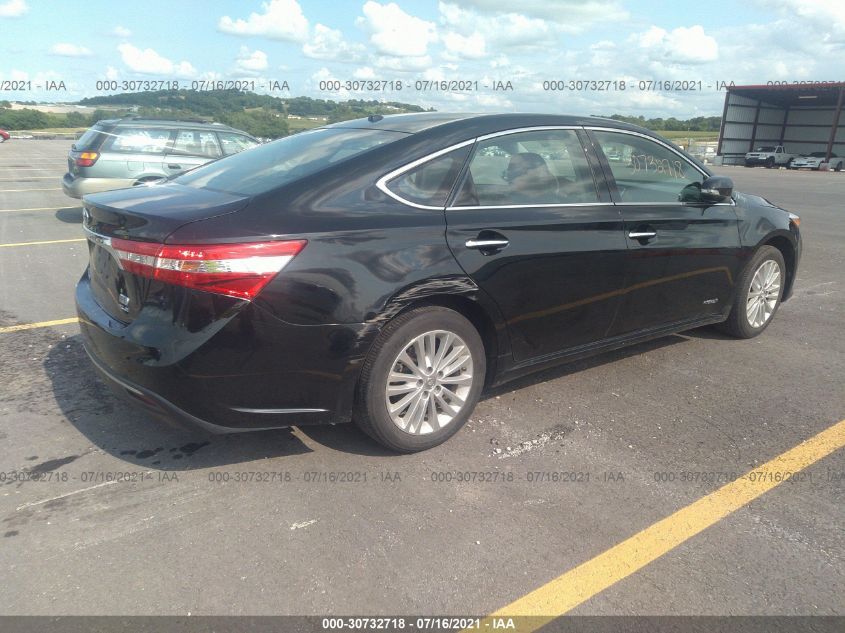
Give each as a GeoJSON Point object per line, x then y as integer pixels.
{"type": "Point", "coordinates": [86, 159]}
{"type": "Point", "coordinates": [236, 270]}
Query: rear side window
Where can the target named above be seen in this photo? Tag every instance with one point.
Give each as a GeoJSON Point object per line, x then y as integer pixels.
{"type": "Point", "coordinates": [281, 162]}
{"type": "Point", "coordinates": [137, 140]}
{"type": "Point", "coordinates": [234, 143]}
{"type": "Point", "coordinates": [527, 168]}
{"type": "Point", "coordinates": [429, 184]}
{"type": "Point", "coordinates": [196, 143]}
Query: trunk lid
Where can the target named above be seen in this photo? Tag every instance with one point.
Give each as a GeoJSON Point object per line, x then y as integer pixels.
{"type": "Point", "coordinates": [144, 214]}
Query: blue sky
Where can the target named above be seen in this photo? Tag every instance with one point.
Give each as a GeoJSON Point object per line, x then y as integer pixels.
{"type": "Point", "coordinates": [525, 43]}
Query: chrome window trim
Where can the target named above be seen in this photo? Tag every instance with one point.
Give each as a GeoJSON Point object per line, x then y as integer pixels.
{"type": "Point", "coordinates": [533, 206]}
{"type": "Point", "coordinates": [381, 183]}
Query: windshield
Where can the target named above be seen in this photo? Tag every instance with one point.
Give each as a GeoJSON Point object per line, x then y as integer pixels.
{"type": "Point", "coordinates": [278, 163]}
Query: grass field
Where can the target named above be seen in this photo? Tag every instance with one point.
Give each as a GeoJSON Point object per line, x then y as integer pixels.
{"type": "Point", "coordinates": [680, 135]}
{"type": "Point", "coordinates": [297, 125]}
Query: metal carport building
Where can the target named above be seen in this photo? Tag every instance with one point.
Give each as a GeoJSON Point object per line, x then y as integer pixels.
{"type": "Point", "coordinates": [803, 118]}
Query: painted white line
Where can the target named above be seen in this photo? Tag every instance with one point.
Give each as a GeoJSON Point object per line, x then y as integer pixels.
{"type": "Point", "coordinates": [19, 190]}
{"type": "Point", "coordinates": [39, 209]}
{"type": "Point", "coordinates": [67, 494]}
{"type": "Point", "coordinates": [25, 178]}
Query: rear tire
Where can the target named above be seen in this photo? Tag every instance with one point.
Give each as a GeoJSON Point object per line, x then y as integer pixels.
{"type": "Point", "coordinates": [410, 400]}
{"type": "Point", "coordinates": [758, 296]}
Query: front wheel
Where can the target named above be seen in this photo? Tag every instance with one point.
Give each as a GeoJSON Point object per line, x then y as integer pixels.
{"type": "Point", "coordinates": [421, 380]}
{"type": "Point", "coordinates": [759, 292]}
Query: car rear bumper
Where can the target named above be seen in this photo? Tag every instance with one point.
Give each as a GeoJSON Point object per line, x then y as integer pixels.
{"type": "Point", "coordinates": [246, 371]}
{"type": "Point", "coordinates": [76, 187]}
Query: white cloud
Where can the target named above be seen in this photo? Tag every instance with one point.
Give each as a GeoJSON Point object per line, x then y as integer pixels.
{"type": "Point", "coordinates": [679, 46]}
{"type": "Point", "coordinates": [574, 15]}
{"type": "Point", "coordinates": [121, 31]}
{"type": "Point", "coordinates": [505, 29]}
{"type": "Point", "coordinates": [149, 62]}
{"type": "Point", "coordinates": [112, 73]}
{"type": "Point", "coordinates": [328, 43]}
{"type": "Point", "coordinates": [394, 32]}
{"type": "Point", "coordinates": [403, 64]}
{"type": "Point", "coordinates": [69, 50]}
{"type": "Point", "coordinates": [465, 46]}
{"type": "Point", "coordinates": [364, 72]}
{"type": "Point", "coordinates": [281, 20]}
{"type": "Point", "coordinates": [251, 61]}
{"type": "Point", "coordinates": [13, 9]}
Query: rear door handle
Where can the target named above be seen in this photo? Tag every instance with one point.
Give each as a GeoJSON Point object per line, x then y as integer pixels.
{"type": "Point", "coordinates": [489, 244]}
{"type": "Point", "coordinates": [642, 235]}
{"type": "Point", "coordinates": [173, 166]}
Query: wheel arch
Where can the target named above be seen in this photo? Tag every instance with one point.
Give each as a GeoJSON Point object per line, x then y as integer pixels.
{"type": "Point", "coordinates": [464, 297]}
{"type": "Point", "coordinates": [787, 249]}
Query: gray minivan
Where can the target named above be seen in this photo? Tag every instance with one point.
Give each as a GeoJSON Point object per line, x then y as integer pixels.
{"type": "Point", "coordinates": [119, 153]}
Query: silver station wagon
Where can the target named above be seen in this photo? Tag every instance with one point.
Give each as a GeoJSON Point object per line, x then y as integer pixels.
{"type": "Point", "coordinates": [120, 153]}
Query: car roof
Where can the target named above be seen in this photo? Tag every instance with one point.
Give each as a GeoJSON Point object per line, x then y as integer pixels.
{"type": "Point", "coordinates": [168, 123]}
{"type": "Point", "coordinates": [474, 123]}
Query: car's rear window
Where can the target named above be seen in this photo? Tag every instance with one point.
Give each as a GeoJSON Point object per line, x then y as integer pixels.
{"type": "Point", "coordinates": [281, 162]}
{"type": "Point", "coordinates": [90, 140]}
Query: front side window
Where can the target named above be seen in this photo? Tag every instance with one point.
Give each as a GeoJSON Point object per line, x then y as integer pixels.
{"type": "Point", "coordinates": [138, 140]}
{"type": "Point", "coordinates": [429, 184]}
{"type": "Point", "coordinates": [646, 171]}
{"type": "Point", "coordinates": [275, 164]}
{"type": "Point", "coordinates": [525, 168]}
{"type": "Point", "coordinates": [196, 143]}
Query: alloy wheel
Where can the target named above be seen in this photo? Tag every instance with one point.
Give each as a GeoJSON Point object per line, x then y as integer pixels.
{"type": "Point", "coordinates": [764, 293]}
{"type": "Point", "coordinates": [429, 382]}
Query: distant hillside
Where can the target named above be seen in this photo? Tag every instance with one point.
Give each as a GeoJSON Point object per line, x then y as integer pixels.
{"type": "Point", "coordinates": [261, 115]}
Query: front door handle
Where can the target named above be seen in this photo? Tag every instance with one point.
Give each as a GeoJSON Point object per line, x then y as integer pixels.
{"type": "Point", "coordinates": [489, 244]}
{"type": "Point", "coordinates": [174, 166]}
{"type": "Point", "coordinates": [642, 235]}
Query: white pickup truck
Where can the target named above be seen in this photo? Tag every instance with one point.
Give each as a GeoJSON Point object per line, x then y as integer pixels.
{"type": "Point", "coordinates": [768, 155]}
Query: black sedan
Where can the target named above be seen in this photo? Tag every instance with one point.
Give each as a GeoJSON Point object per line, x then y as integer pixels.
{"type": "Point", "coordinates": [387, 270]}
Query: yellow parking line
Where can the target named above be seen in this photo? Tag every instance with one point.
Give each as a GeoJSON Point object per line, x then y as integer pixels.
{"type": "Point", "coordinates": [81, 239]}
{"type": "Point", "coordinates": [32, 326]}
{"type": "Point", "coordinates": [17, 190]}
{"type": "Point", "coordinates": [578, 585]}
{"type": "Point", "coordinates": [37, 209]}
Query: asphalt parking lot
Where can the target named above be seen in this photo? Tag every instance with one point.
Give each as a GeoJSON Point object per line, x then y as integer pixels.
{"type": "Point", "coordinates": [107, 511]}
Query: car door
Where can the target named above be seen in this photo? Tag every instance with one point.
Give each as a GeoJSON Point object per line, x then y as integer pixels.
{"type": "Point", "coordinates": [191, 148]}
{"type": "Point", "coordinates": [530, 225]}
{"type": "Point", "coordinates": [684, 255]}
{"type": "Point", "coordinates": [131, 152]}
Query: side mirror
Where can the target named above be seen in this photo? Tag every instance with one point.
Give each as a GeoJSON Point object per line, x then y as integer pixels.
{"type": "Point", "coordinates": [717, 189]}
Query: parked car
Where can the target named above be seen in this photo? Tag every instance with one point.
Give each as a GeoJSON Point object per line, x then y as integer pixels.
{"type": "Point", "coordinates": [4, 136]}
{"type": "Point", "coordinates": [387, 270]}
{"type": "Point", "coordinates": [119, 153]}
{"type": "Point", "coordinates": [768, 156]}
{"type": "Point", "coordinates": [814, 160]}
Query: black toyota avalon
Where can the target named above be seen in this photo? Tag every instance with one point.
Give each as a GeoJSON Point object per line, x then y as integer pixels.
{"type": "Point", "coordinates": [388, 270]}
